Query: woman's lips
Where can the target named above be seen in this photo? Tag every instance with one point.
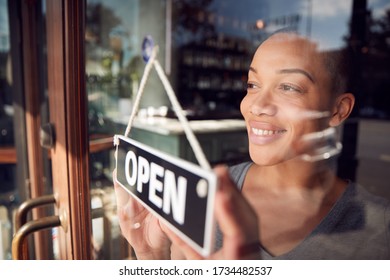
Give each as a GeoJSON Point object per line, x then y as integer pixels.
{"type": "Point", "coordinates": [261, 133]}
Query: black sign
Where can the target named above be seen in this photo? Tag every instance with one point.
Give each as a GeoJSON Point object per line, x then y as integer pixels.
{"type": "Point", "coordinates": [178, 191]}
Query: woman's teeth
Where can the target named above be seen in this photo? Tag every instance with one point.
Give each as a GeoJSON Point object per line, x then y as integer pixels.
{"type": "Point", "coordinates": [262, 132]}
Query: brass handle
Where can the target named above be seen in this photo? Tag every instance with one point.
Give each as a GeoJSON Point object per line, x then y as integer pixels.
{"type": "Point", "coordinates": [24, 228]}
{"type": "Point", "coordinates": [17, 242]}
{"type": "Point", "coordinates": [25, 207]}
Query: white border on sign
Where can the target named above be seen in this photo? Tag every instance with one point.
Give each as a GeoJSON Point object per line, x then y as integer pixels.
{"type": "Point", "coordinates": [208, 174]}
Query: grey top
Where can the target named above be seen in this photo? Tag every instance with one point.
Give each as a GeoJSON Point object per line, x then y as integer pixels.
{"type": "Point", "coordinates": [357, 227]}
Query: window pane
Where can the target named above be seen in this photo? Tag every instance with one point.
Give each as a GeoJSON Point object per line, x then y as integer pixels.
{"type": "Point", "coordinates": [206, 48]}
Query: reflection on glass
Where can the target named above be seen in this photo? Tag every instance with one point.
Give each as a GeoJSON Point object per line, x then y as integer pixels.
{"type": "Point", "coordinates": [207, 47]}
{"type": "Point", "coordinates": [114, 65]}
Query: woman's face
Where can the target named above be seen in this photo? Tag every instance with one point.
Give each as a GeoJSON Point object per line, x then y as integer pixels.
{"type": "Point", "coordinates": [288, 97]}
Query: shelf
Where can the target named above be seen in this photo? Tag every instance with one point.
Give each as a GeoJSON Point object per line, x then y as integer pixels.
{"type": "Point", "coordinates": [8, 155]}
{"type": "Point", "coordinates": [100, 144]}
{"type": "Point", "coordinates": [214, 70]}
{"type": "Point", "coordinates": [96, 144]}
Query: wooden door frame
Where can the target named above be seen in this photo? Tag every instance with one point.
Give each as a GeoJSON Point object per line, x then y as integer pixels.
{"type": "Point", "coordinates": [68, 113]}
{"type": "Point", "coordinates": [31, 17]}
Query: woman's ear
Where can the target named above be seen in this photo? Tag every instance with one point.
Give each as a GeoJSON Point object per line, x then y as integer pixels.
{"type": "Point", "coordinates": [342, 108]}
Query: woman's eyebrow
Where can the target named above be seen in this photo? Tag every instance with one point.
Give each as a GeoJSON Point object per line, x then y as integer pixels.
{"type": "Point", "coordinates": [252, 69]}
{"type": "Point", "coordinates": [296, 70]}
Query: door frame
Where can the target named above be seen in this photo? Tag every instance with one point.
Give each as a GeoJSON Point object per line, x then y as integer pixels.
{"type": "Point", "coordinates": [65, 21]}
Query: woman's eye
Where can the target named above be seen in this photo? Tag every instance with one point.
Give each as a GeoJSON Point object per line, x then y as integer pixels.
{"type": "Point", "coordinates": [290, 88]}
{"type": "Point", "coordinates": [251, 86]}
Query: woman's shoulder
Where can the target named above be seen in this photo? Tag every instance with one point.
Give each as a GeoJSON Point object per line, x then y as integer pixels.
{"type": "Point", "coordinates": [373, 210]}
{"type": "Point", "coordinates": [371, 201]}
{"type": "Point", "coordinates": [239, 171]}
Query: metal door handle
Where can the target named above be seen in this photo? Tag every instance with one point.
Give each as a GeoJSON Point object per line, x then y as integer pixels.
{"type": "Point", "coordinates": [18, 253]}
{"type": "Point", "coordinates": [28, 205]}
{"type": "Point", "coordinates": [24, 228]}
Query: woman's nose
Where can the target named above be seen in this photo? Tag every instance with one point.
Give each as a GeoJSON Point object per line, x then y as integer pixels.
{"type": "Point", "coordinates": [263, 104]}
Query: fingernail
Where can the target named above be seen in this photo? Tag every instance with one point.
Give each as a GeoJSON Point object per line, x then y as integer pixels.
{"type": "Point", "coordinates": [136, 226]}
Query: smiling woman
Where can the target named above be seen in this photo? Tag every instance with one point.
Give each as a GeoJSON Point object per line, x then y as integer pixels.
{"type": "Point", "coordinates": [292, 107]}
{"type": "Point", "coordinates": [288, 78]}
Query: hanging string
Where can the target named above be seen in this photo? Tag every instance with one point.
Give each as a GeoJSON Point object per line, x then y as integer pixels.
{"type": "Point", "coordinates": [200, 156]}
{"type": "Point", "coordinates": [141, 88]}
{"type": "Point", "coordinates": [182, 118]}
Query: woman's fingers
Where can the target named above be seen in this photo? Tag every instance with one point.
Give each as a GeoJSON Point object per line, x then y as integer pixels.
{"type": "Point", "coordinates": [236, 216]}
{"type": "Point", "coordinates": [122, 196]}
{"type": "Point", "coordinates": [237, 220]}
{"type": "Point", "coordinates": [186, 250]}
{"type": "Point", "coordinates": [127, 206]}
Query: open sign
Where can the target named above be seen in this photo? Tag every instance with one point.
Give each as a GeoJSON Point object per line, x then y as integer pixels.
{"type": "Point", "coordinates": [178, 191]}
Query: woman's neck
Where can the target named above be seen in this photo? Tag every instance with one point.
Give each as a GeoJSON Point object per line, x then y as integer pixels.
{"type": "Point", "coordinates": [296, 177]}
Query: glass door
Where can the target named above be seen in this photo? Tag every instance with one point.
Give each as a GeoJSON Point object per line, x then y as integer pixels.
{"type": "Point", "coordinates": [48, 208]}
{"type": "Point", "coordinates": [82, 157]}
{"type": "Point", "coordinates": [114, 31]}
{"type": "Point", "coordinates": [24, 163]}
{"type": "Point", "coordinates": [56, 149]}
{"type": "Point", "coordinates": [68, 117]}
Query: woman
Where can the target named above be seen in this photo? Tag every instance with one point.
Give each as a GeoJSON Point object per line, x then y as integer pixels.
{"type": "Point", "coordinates": [291, 204]}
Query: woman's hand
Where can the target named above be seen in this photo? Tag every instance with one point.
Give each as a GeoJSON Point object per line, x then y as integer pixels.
{"type": "Point", "coordinates": [237, 220]}
{"type": "Point", "coordinates": [141, 228]}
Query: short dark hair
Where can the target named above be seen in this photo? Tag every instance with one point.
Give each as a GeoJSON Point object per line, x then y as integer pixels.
{"type": "Point", "coordinates": [337, 64]}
